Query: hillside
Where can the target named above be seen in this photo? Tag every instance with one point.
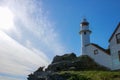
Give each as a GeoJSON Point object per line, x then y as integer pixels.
{"type": "Point", "coordinates": [71, 67]}
{"type": "Point", "coordinates": [71, 62]}
{"type": "Point", "coordinates": [88, 75]}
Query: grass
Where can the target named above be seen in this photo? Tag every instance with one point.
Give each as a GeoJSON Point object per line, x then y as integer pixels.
{"type": "Point", "coordinates": [90, 75]}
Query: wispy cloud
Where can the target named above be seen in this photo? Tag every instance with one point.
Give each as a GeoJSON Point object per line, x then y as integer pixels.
{"type": "Point", "coordinates": [8, 78]}
{"type": "Point", "coordinates": [31, 16]}
{"type": "Point", "coordinates": [16, 59]}
{"type": "Point", "coordinates": [31, 41]}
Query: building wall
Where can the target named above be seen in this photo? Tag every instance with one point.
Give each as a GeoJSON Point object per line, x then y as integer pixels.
{"type": "Point", "coordinates": [85, 38]}
{"type": "Point", "coordinates": [114, 48]}
{"type": "Point", "coordinates": [101, 57]}
{"type": "Point", "coordinates": [84, 28]}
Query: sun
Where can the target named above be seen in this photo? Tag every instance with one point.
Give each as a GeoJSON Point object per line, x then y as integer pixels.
{"type": "Point", "coordinates": [6, 18]}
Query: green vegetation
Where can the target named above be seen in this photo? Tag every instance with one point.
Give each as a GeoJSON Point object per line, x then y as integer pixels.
{"type": "Point", "coordinates": [90, 75]}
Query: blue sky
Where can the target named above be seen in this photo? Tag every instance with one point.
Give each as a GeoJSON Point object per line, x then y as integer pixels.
{"type": "Point", "coordinates": [32, 32]}
{"type": "Point", "coordinates": [102, 15]}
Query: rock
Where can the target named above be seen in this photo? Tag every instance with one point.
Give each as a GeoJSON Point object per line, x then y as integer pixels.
{"type": "Point", "coordinates": [66, 62]}
{"type": "Point", "coordinates": [65, 57]}
{"type": "Point", "coordinates": [84, 62]}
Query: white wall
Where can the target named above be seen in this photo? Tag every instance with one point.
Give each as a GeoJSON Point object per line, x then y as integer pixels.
{"type": "Point", "coordinates": [114, 47]}
{"type": "Point", "coordinates": [101, 58]}
{"type": "Point", "coordinates": [85, 38]}
{"type": "Point", "coordinates": [84, 28]}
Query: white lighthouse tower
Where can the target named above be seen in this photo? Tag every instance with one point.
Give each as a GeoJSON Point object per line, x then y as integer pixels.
{"type": "Point", "coordinates": [85, 35]}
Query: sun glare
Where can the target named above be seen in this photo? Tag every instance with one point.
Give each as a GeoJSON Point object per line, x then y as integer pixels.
{"type": "Point", "coordinates": [6, 18]}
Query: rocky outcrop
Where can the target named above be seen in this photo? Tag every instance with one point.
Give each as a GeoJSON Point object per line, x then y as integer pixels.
{"type": "Point", "coordinates": [63, 62]}
{"type": "Point", "coordinates": [65, 57]}
{"type": "Point", "coordinates": [66, 62]}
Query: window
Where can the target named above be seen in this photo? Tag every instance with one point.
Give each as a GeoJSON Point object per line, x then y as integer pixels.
{"type": "Point", "coordinates": [119, 55]}
{"type": "Point", "coordinates": [95, 52]}
{"type": "Point", "coordinates": [84, 33]}
{"type": "Point", "coordinates": [118, 38]}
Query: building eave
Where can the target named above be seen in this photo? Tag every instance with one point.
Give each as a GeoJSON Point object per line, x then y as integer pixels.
{"type": "Point", "coordinates": [85, 31]}
{"type": "Point", "coordinates": [114, 31]}
{"type": "Point", "coordinates": [102, 49]}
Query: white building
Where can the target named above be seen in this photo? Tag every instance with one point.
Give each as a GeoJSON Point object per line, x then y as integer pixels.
{"type": "Point", "coordinates": [107, 57]}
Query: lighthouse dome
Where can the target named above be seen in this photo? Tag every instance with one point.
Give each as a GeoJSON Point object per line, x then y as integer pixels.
{"type": "Point", "coordinates": [84, 22]}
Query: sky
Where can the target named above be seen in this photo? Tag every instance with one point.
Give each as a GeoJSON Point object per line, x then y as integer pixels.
{"type": "Point", "coordinates": [32, 32]}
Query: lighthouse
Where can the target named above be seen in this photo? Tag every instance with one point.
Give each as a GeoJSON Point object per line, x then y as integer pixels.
{"type": "Point", "coordinates": [85, 35]}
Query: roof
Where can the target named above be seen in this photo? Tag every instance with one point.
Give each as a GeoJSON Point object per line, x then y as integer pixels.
{"type": "Point", "coordinates": [84, 22]}
{"type": "Point", "coordinates": [114, 31]}
{"type": "Point", "coordinates": [107, 51]}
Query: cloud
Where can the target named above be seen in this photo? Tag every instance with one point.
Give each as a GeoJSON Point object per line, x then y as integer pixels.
{"type": "Point", "coordinates": [8, 78]}
{"type": "Point", "coordinates": [32, 20]}
{"type": "Point", "coordinates": [31, 42]}
{"type": "Point", "coordinates": [16, 59]}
